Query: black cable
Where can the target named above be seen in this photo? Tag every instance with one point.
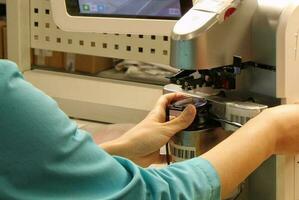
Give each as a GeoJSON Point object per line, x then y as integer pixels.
{"type": "Point", "coordinates": [167, 144]}
{"type": "Point", "coordinates": [167, 154]}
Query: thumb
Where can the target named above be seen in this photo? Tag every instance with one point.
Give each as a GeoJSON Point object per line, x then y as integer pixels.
{"type": "Point", "coordinates": [183, 120]}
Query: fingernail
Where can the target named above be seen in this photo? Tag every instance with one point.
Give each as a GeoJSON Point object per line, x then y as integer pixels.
{"type": "Point", "coordinates": [189, 108]}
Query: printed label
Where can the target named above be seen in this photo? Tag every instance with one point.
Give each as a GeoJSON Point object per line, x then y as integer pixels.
{"type": "Point", "coordinates": [180, 153]}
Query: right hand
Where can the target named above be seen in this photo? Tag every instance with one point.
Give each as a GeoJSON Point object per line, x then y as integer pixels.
{"type": "Point", "coordinates": [142, 143]}
{"type": "Point", "coordinates": [282, 126]}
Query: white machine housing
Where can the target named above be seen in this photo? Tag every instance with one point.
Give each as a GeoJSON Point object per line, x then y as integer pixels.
{"type": "Point", "coordinates": [262, 31]}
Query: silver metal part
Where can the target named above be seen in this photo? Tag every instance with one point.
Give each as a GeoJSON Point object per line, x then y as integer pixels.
{"type": "Point", "coordinates": [232, 112]}
{"type": "Point", "coordinates": [201, 40]}
{"type": "Point", "coordinates": [237, 125]}
{"type": "Point", "coordinates": [190, 144]}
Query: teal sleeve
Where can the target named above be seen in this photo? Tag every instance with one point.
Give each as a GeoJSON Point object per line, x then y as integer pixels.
{"type": "Point", "coordinates": [43, 155]}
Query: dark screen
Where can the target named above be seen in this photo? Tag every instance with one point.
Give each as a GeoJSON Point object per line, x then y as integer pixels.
{"type": "Point", "coordinates": [145, 8]}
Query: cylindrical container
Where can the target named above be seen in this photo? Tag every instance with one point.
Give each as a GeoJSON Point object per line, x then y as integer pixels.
{"type": "Point", "coordinates": [202, 135]}
{"type": "Point", "coordinates": [190, 144]}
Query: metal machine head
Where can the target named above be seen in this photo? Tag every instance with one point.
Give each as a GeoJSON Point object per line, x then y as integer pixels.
{"type": "Point", "coordinates": [214, 31]}
{"type": "Point", "coordinates": [220, 38]}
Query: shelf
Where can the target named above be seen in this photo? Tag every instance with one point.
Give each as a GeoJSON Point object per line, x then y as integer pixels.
{"type": "Point", "coordinates": [97, 99]}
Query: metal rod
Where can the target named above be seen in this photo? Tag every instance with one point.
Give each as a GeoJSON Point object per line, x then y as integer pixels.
{"type": "Point", "coordinates": [228, 122]}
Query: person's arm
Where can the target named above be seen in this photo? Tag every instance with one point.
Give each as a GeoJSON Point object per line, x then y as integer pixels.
{"type": "Point", "coordinates": [240, 154]}
{"type": "Point", "coordinates": [44, 155]}
{"type": "Point", "coordinates": [274, 131]}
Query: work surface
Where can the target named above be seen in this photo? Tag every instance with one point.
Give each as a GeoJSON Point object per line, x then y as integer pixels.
{"type": "Point", "coordinates": [103, 132]}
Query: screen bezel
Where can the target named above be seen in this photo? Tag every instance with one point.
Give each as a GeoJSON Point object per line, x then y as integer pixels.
{"type": "Point", "coordinates": [73, 9]}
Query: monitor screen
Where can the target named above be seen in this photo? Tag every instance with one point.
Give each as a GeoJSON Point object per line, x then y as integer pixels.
{"type": "Point", "coordinates": [132, 8]}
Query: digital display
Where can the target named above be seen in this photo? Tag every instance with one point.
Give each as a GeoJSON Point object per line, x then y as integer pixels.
{"type": "Point", "coordinates": [144, 8]}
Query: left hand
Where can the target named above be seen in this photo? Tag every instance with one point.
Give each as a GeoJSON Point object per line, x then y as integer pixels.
{"type": "Point", "coordinates": [142, 143]}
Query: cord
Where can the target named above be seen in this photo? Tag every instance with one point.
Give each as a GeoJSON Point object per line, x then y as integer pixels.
{"type": "Point", "coordinates": [167, 154]}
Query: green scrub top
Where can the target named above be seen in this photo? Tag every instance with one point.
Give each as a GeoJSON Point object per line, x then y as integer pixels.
{"type": "Point", "coordinates": [45, 156]}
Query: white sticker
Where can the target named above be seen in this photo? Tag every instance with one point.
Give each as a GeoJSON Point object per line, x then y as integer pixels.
{"type": "Point", "coordinates": [181, 153]}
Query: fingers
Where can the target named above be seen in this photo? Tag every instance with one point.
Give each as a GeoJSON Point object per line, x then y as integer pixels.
{"type": "Point", "coordinates": [183, 120]}
{"type": "Point", "coordinates": [166, 99]}
{"type": "Point", "coordinates": [158, 113]}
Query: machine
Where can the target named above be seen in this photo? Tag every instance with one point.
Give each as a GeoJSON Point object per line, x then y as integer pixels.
{"type": "Point", "coordinates": [237, 57]}
{"type": "Point", "coordinates": [247, 52]}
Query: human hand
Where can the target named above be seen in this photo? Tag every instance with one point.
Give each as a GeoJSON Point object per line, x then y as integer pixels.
{"type": "Point", "coordinates": [106, 133]}
{"type": "Point", "coordinates": [142, 143]}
